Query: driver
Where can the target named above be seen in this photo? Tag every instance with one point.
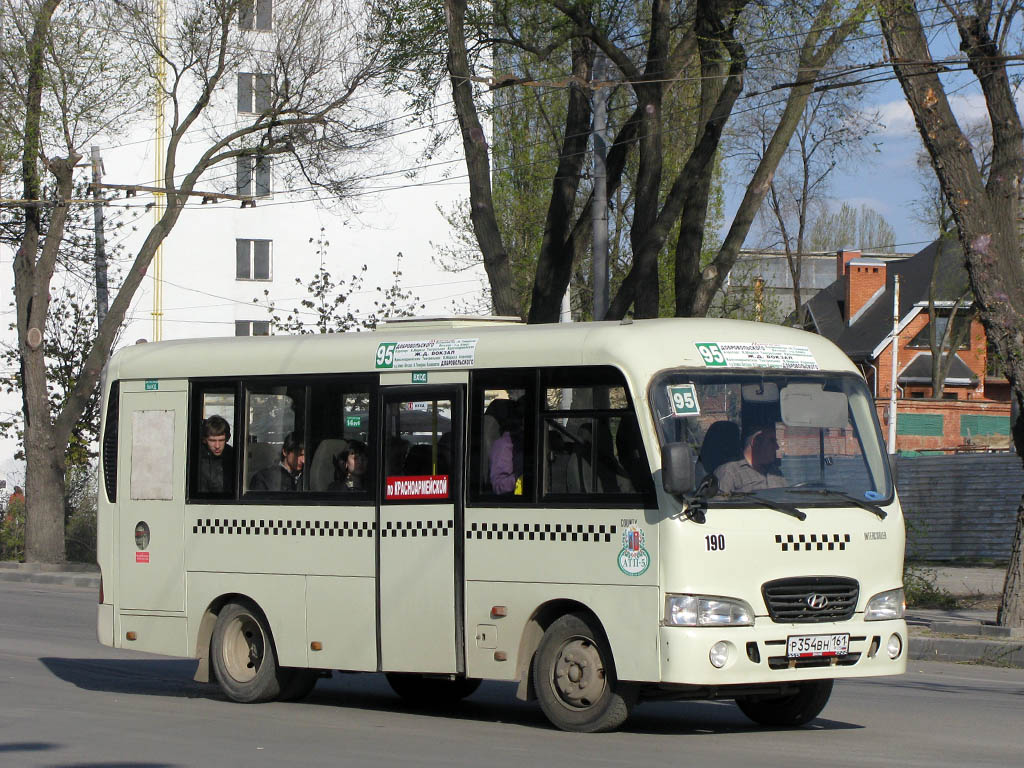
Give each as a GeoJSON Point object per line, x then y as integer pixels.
{"type": "Point", "coordinates": [757, 469]}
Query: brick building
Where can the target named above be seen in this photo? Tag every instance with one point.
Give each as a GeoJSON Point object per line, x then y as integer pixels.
{"type": "Point", "coordinates": [856, 312]}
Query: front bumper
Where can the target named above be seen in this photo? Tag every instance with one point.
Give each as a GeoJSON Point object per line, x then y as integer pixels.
{"type": "Point", "coordinates": [758, 654]}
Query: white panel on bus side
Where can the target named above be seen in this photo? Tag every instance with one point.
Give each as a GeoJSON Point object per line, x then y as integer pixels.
{"type": "Point", "coordinates": [417, 588]}
{"type": "Point", "coordinates": [151, 492]}
{"type": "Point", "coordinates": [341, 615]}
{"type": "Point", "coordinates": [281, 598]}
{"type": "Point", "coordinates": [630, 617]}
{"type": "Point", "coordinates": [166, 635]}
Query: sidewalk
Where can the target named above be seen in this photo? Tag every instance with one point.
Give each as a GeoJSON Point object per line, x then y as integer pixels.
{"type": "Point", "coordinates": [967, 634]}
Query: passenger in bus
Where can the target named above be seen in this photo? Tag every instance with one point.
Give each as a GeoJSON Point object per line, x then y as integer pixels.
{"type": "Point", "coordinates": [757, 469]}
{"type": "Point", "coordinates": [350, 468]}
{"type": "Point", "coordinates": [506, 457]}
{"type": "Point", "coordinates": [287, 475]}
{"type": "Point", "coordinates": [216, 457]}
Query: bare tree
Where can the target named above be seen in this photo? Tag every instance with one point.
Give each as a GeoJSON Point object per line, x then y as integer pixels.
{"type": "Point", "coordinates": [85, 69]}
{"type": "Point", "coordinates": [984, 206]}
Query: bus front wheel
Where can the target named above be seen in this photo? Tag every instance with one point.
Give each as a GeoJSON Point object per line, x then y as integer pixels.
{"type": "Point", "coordinates": [243, 657]}
{"type": "Point", "coordinates": [788, 711]}
{"type": "Point", "coordinates": [574, 677]}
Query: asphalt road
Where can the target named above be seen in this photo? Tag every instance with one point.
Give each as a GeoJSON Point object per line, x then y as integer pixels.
{"type": "Point", "coordinates": [66, 701]}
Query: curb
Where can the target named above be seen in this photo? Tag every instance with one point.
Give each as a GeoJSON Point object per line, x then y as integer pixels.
{"type": "Point", "coordinates": [89, 581]}
{"type": "Point", "coordinates": [996, 654]}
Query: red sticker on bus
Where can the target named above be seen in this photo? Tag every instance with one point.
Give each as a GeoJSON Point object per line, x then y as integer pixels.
{"type": "Point", "coordinates": [142, 557]}
{"type": "Point", "coordinates": [417, 487]}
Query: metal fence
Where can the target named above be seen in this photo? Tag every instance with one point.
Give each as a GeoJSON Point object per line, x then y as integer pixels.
{"type": "Point", "coordinates": [960, 507]}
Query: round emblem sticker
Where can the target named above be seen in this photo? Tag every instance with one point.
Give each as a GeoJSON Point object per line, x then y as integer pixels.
{"type": "Point", "coordinates": [633, 559]}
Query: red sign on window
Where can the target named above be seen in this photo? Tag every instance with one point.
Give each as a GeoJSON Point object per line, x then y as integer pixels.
{"type": "Point", "coordinates": [416, 487]}
{"type": "Point", "coordinates": [142, 557]}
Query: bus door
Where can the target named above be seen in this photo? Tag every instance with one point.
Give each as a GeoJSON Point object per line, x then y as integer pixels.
{"type": "Point", "coordinates": [420, 527]}
{"type": "Point", "coordinates": [151, 495]}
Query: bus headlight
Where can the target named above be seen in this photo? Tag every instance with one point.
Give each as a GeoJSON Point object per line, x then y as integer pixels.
{"type": "Point", "coordinates": [707, 611]}
{"type": "Point", "coordinates": [886, 605]}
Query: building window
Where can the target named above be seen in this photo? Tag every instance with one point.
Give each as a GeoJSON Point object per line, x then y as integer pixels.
{"type": "Point", "coordinates": [252, 327]}
{"type": "Point", "coordinates": [253, 176]}
{"type": "Point", "coordinates": [252, 259]}
{"type": "Point", "coordinates": [253, 93]}
{"type": "Point", "coordinates": [255, 14]}
{"type": "Point", "coordinates": [921, 340]}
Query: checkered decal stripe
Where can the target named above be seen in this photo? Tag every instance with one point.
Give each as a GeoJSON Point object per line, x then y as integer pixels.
{"type": "Point", "coordinates": [414, 528]}
{"type": "Point", "coordinates": [805, 542]}
{"type": "Point", "coordinates": [340, 528]}
{"type": "Point", "coordinates": [541, 532]}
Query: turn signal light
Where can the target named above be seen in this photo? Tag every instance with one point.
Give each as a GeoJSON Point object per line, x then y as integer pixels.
{"type": "Point", "coordinates": [130, 635]}
{"type": "Point", "coordinates": [316, 645]}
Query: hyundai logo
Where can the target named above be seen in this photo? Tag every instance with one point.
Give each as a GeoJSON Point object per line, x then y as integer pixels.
{"type": "Point", "coordinates": [817, 601]}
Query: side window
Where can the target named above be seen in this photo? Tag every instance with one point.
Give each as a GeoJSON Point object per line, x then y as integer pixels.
{"type": "Point", "coordinates": [214, 458]}
{"type": "Point", "coordinates": [502, 456]}
{"type": "Point", "coordinates": [418, 443]}
{"type": "Point", "coordinates": [341, 454]}
{"type": "Point", "coordinates": [591, 439]}
{"type": "Point", "coordinates": [275, 447]}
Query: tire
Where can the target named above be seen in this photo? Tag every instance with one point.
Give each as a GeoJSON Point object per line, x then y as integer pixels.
{"type": "Point", "coordinates": [300, 685]}
{"type": "Point", "coordinates": [243, 656]}
{"type": "Point", "coordinates": [421, 690]}
{"type": "Point", "coordinates": [574, 677]}
{"type": "Point", "coordinates": [788, 711]}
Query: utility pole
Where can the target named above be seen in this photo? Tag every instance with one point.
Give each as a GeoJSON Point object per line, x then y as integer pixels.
{"type": "Point", "coordinates": [895, 362]}
{"type": "Point", "coordinates": [599, 212]}
{"type": "Point", "coordinates": [159, 198]}
{"type": "Point", "coordinates": [101, 252]}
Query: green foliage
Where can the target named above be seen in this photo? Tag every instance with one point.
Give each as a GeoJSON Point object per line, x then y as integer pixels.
{"type": "Point", "coordinates": [80, 514]}
{"type": "Point", "coordinates": [327, 307]}
{"type": "Point", "coordinates": [12, 530]}
{"type": "Point", "coordinates": [70, 329]}
{"type": "Point", "coordinates": [922, 591]}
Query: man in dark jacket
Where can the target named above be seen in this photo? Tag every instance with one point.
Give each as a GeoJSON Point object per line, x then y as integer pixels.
{"type": "Point", "coordinates": [287, 475]}
{"type": "Point", "coordinates": [216, 457]}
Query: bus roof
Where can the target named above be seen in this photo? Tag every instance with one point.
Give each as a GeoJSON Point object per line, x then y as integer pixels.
{"type": "Point", "coordinates": [640, 348]}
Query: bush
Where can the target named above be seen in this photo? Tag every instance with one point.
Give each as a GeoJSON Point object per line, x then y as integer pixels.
{"type": "Point", "coordinates": [12, 531]}
{"type": "Point", "coordinates": [922, 591]}
{"type": "Point", "coordinates": [80, 537]}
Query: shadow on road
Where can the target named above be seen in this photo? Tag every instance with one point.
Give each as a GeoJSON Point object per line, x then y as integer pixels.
{"type": "Point", "coordinates": [494, 702]}
{"type": "Point", "coordinates": [138, 676]}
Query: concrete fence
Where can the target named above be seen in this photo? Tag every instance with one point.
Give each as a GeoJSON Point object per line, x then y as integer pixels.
{"type": "Point", "coordinates": [960, 507]}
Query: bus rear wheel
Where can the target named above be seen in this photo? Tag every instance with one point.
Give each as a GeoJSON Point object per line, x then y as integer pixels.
{"type": "Point", "coordinates": [420, 689]}
{"type": "Point", "coordinates": [574, 677]}
{"type": "Point", "coordinates": [788, 711]}
{"type": "Point", "coordinates": [243, 657]}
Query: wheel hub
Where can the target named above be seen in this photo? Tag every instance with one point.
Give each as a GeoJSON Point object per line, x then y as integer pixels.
{"type": "Point", "coordinates": [244, 649]}
{"type": "Point", "coordinates": [579, 677]}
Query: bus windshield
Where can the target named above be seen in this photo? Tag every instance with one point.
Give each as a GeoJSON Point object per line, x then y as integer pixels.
{"type": "Point", "coordinates": [799, 438]}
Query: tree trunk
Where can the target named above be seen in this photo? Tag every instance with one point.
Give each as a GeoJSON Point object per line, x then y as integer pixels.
{"type": "Point", "coordinates": [984, 210]}
{"type": "Point", "coordinates": [474, 142]}
{"type": "Point", "coordinates": [44, 494]}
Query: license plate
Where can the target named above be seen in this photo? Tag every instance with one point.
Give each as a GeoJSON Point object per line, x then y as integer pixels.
{"type": "Point", "coordinates": [800, 646]}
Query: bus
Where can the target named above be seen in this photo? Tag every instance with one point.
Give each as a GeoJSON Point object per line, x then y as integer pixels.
{"type": "Point", "coordinates": [604, 513]}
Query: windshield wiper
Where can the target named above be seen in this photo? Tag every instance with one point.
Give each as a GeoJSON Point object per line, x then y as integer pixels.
{"type": "Point", "coordinates": [872, 508]}
{"type": "Point", "coordinates": [781, 506]}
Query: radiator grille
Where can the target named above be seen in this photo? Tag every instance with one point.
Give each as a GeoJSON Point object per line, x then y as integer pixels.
{"type": "Point", "coordinates": [799, 600]}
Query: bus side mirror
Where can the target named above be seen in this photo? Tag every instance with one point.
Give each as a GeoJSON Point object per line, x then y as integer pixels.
{"type": "Point", "coordinates": [677, 471]}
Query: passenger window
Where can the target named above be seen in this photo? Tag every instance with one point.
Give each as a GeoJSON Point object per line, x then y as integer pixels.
{"type": "Point", "coordinates": [502, 464]}
{"type": "Point", "coordinates": [275, 450]}
{"type": "Point", "coordinates": [592, 442]}
{"type": "Point", "coordinates": [341, 460]}
{"type": "Point", "coordinates": [214, 460]}
{"type": "Point", "coordinates": [418, 450]}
